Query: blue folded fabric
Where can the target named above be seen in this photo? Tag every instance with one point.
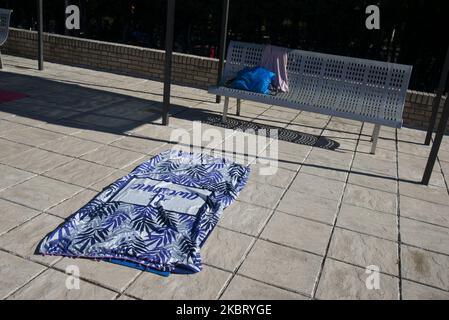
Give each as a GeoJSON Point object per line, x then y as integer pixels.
{"type": "Point", "coordinates": [255, 79]}
{"type": "Point", "coordinates": [155, 219]}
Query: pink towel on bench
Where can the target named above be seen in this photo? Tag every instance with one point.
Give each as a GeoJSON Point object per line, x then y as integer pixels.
{"type": "Point", "coordinates": [275, 59]}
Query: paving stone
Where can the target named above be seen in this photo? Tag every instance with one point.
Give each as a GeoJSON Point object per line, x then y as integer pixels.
{"type": "Point", "coordinates": [425, 235]}
{"type": "Point", "coordinates": [72, 205]}
{"type": "Point", "coordinates": [425, 211]}
{"type": "Point", "coordinates": [28, 120]}
{"type": "Point", "coordinates": [368, 221]}
{"type": "Point", "coordinates": [298, 233]}
{"type": "Point", "coordinates": [386, 184]}
{"type": "Point", "coordinates": [11, 176]}
{"type": "Point", "coordinates": [282, 267]}
{"type": "Point", "coordinates": [98, 136]}
{"type": "Point", "coordinates": [309, 206]}
{"type": "Point", "coordinates": [329, 172]}
{"type": "Point", "coordinates": [36, 160]}
{"type": "Point", "coordinates": [414, 149]}
{"type": "Point", "coordinates": [383, 145]}
{"type": "Point", "coordinates": [411, 168]}
{"type": "Point", "coordinates": [221, 240]}
{"type": "Point", "coordinates": [261, 194]}
{"type": "Point", "coordinates": [245, 218]}
{"type": "Point", "coordinates": [205, 285]}
{"type": "Point", "coordinates": [40, 193]}
{"type": "Point", "coordinates": [310, 121]}
{"type": "Point", "coordinates": [370, 199]}
{"type": "Point", "coordinates": [106, 182]}
{"type": "Point", "coordinates": [13, 215]}
{"type": "Point", "coordinates": [113, 157]}
{"type": "Point", "coordinates": [141, 145]}
{"type": "Point", "coordinates": [337, 159]}
{"type": "Point", "coordinates": [343, 127]}
{"type": "Point", "coordinates": [34, 232]}
{"type": "Point", "coordinates": [32, 136]}
{"type": "Point", "coordinates": [318, 186]}
{"type": "Point", "coordinates": [8, 126]}
{"type": "Point", "coordinates": [300, 151]}
{"type": "Point", "coordinates": [286, 161]}
{"type": "Point", "coordinates": [415, 291]}
{"type": "Point", "coordinates": [305, 130]}
{"type": "Point", "coordinates": [363, 250]}
{"type": "Point", "coordinates": [374, 166]}
{"type": "Point", "coordinates": [8, 148]}
{"type": "Point", "coordinates": [130, 110]}
{"type": "Point", "coordinates": [60, 127]}
{"type": "Point", "coordinates": [81, 173]}
{"type": "Point", "coordinates": [113, 124]}
{"type": "Point", "coordinates": [15, 272]}
{"type": "Point", "coordinates": [430, 194]}
{"type": "Point", "coordinates": [340, 281]}
{"type": "Point", "coordinates": [242, 288]}
{"type": "Point", "coordinates": [384, 151]}
{"type": "Point", "coordinates": [425, 267]}
{"type": "Point", "coordinates": [112, 276]}
{"type": "Point", "coordinates": [51, 285]}
{"type": "Point", "coordinates": [278, 177]}
{"type": "Point", "coordinates": [72, 146]}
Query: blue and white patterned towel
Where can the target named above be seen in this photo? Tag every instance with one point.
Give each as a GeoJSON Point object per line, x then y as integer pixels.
{"type": "Point", "coordinates": [157, 217]}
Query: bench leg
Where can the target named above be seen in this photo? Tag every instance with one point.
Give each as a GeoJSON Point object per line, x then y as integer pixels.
{"type": "Point", "coordinates": [239, 107]}
{"type": "Point", "coordinates": [375, 138]}
{"type": "Point", "coordinates": [1, 62]}
{"type": "Point", "coordinates": [225, 111]}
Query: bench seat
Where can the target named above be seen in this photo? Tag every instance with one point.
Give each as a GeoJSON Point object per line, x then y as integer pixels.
{"type": "Point", "coordinates": [356, 89]}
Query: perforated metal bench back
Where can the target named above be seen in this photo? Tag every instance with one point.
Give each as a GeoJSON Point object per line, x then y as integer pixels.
{"type": "Point", "coordinates": [360, 89]}
{"type": "Point", "coordinates": [5, 16]}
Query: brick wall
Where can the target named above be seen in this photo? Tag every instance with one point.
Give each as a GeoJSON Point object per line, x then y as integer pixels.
{"type": "Point", "coordinates": [188, 70]}
{"type": "Point", "coordinates": [418, 109]}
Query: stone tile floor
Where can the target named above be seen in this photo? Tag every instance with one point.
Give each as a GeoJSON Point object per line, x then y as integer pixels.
{"type": "Point", "coordinates": [308, 232]}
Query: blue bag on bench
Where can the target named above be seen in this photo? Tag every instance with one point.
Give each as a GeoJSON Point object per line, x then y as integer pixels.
{"type": "Point", "coordinates": [255, 79]}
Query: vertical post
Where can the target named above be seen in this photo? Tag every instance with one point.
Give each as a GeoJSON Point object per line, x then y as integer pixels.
{"type": "Point", "coordinates": [437, 101]}
{"type": "Point", "coordinates": [168, 59]}
{"type": "Point", "coordinates": [375, 138]}
{"type": "Point", "coordinates": [40, 38]}
{"type": "Point", "coordinates": [436, 144]}
{"type": "Point", "coordinates": [223, 41]}
{"type": "Point", "coordinates": [66, 4]}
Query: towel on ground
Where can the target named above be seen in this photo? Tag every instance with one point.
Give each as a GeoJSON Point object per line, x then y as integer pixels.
{"type": "Point", "coordinates": [157, 217]}
{"type": "Point", "coordinates": [275, 59]}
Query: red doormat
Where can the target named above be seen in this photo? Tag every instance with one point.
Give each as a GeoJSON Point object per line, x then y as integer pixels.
{"type": "Point", "coordinates": [8, 96]}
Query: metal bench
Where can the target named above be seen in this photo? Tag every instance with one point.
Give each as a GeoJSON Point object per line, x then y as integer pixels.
{"type": "Point", "coordinates": [351, 88]}
{"type": "Point", "coordinates": [5, 16]}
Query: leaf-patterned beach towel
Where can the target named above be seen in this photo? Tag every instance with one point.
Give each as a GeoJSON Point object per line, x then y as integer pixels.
{"type": "Point", "coordinates": [157, 217]}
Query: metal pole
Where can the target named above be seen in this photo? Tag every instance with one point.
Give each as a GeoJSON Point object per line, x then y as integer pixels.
{"type": "Point", "coordinates": [168, 59]}
{"type": "Point", "coordinates": [40, 38]}
{"type": "Point", "coordinates": [437, 100]}
{"type": "Point", "coordinates": [223, 41]}
{"type": "Point", "coordinates": [437, 144]}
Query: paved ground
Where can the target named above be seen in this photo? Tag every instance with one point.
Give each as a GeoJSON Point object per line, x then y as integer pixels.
{"type": "Point", "coordinates": [310, 231]}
